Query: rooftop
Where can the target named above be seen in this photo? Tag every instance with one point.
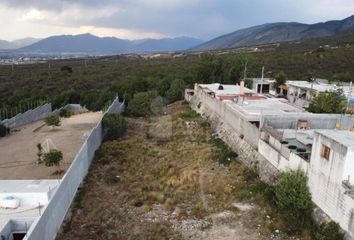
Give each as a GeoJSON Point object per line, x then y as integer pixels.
{"type": "Point", "coordinates": [252, 109]}
{"type": "Point", "coordinates": [233, 90]}
{"type": "Point", "coordinates": [343, 137]}
{"type": "Point", "coordinates": [319, 86]}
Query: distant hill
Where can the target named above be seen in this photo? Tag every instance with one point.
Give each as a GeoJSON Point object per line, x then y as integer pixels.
{"type": "Point", "coordinates": [275, 33]}
{"type": "Point", "coordinates": [4, 45]}
{"type": "Point", "coordinates": [90, 44]}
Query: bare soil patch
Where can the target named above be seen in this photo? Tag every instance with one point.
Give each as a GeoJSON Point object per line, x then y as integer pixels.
{"type": "Point", "coordinates": [18, 151]}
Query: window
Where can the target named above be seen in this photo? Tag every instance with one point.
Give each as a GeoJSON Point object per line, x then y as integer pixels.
{"type": "Point", "coordinates": [325, 152]}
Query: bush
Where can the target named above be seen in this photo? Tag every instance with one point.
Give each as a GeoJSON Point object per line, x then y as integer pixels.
{"type": "Point", "coordinates": [176, 91]}
{"type": "Point", "coordinates": [145, 104]}
{"type": "Point", "coordinates": [52, 120]}
{"type": "Point", "coordinates": [293, 199]}
{"type": "Point", "coordinates": [189, 114]}
{"type": "Point", "coordinates": [115, 124]}
{"type": "Point", "coordinates": [52, 158]}
{"type": "Point", "coordinates": [3, 130]}
{"type": "Point", "coordinates": [64, 113]}
{"type": "Point", "coordinates": [329, 231]}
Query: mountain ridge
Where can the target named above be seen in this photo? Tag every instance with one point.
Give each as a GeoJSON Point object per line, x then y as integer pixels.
{"type": "Point", "coordinates": [91, 44]}
{"type": "Point", "coordinates": [276, 32]}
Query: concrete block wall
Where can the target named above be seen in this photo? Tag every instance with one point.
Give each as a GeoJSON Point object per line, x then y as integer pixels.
{"type": "Point", "coordinates": [233, 131]}
{"type": "Point", "coordinates": [47, 226]}
{"type": "Point", "coordinates": [29, 116]}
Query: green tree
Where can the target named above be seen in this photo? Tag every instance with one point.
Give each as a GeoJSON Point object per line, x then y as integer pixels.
{"type": "Point", "coordinates": [52, 120]}
{"type": "Point", "coordinates": [115, 124]}
{"type": "Point", "coordinates": [329, 102]}
{"type": "Point", "coordinates": [52, 158]}
{"type": "Point", "coordinates": [176, 91]}
{"type": "Point", "coordinates": [280, 78]}
{"type": "Point", "coordinates": [3, 130]}
{"type": "Point", "coordinates": [141, 104]}
{"type": "Point", "coordinates": [39, 153]}
{"type": "Point", "coordinates": [293, 199]}
{"type": "Point", "coordinates": [209, 69]}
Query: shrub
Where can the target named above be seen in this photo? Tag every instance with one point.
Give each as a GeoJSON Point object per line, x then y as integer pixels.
{"type": "Point", "coordinates": [293, 199]}
{"type": "Point", "coordinates": [3, 130]}
{"type": "Point", "coordinates": [329, 231]}
{"type": "Point", "coordinates": [223, 153]}
{"type": "Point", "coordinates": [39, 153]}
{"type": "Point", "coordinates": [115, 124]}
{"type": "Point", "coordinates": [145, 104]}
{"type": "Point", "coordinates": [66, 69]}
{"type": "Point", "coordinates": [52, 158]}
{"type": "Point", "coordinates": [52, 120]}
{"type": "Point", "coordinates": [176, 91]}
{"type": "Point", "coordinates": [189, 114]}
{"type": "Point", "coordinates": [64, 113]}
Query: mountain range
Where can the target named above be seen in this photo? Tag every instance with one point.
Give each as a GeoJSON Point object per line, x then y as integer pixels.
{"type": "Point", "coordinates": [90, 44]}
{"type": "Point", "coordinates": [4, 45]}
{"type": "Point", "coordinates": [275, 33]}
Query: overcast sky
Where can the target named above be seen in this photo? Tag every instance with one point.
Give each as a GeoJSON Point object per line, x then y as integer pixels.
{"type": "Point", "coordinates": [136, 19]}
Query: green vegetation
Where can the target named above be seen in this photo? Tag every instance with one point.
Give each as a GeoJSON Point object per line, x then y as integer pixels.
{"type": "Point", "coordinates": [224, 154]}
{"type": "Point", "coordinates": [65, 113]}
{"type": "Point", "coordinates": [3, 130]}
{"type": "Point", "coordinates": [293, 199]}
{"type": "Point", "coordinates": [329, 102]}
{"type": "Point", "coordinates": [189, 114]}
{"type": "Point", "coordinates": [280, 78]}
{"type": "Point", "coordinates": [52, 158]}
{"type": "Point", "coordinates": [52, 120]}
{"type": "Point", "coordinates": [145, 104]}
{"type": "Point", "coordinates": [39, 153]}
{"type": "Point", "coordinates": [176, 91]}
{"type": "Point", "coordinates": [115, 124]}
{"type": "Point", "coordinates": [329, 231]}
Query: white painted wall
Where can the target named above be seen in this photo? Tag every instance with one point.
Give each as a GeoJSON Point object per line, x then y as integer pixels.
{"type": "Point", "coordinates": [47, 226]}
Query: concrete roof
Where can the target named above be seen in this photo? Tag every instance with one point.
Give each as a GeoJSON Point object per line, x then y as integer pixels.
{"type": "Point", "coordinates": [253, 109]}
{"type": "Point", "coordinates": [27, 186]}
{"type": "Point", "coordinates": [343, 137]}
{"type": "Point", "coordinates": [319, 86]}
{"type": "Point", "coordinates": [228, 89]}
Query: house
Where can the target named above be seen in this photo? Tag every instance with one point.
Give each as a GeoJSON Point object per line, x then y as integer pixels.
{"type": "Point", "coordinates": [301, 93]}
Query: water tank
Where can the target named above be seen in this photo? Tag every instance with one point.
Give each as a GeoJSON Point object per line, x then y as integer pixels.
{"type": "Point", "coordinates": [9, 202]}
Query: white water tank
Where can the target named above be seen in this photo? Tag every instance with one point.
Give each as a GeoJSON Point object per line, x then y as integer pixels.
{"type": "Point", "coordinates": [9, 202]}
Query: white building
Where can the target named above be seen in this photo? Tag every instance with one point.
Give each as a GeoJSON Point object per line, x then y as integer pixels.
{"type": "Point", "coordinates": [302, 93]}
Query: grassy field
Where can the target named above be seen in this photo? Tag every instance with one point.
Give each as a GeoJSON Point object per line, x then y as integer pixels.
{"type": "Point", "coordinates": [169, 177]}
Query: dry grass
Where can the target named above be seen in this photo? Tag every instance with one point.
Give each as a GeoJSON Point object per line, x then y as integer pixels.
{"type": "Point", "coordinates": [162, 181]}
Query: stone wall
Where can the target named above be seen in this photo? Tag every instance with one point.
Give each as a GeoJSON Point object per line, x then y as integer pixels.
{"type": "Point", "coordinates": [248, 153]}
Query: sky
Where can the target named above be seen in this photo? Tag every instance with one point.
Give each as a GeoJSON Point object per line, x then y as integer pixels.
{"type": "Point", "coordinates": [139, 19]}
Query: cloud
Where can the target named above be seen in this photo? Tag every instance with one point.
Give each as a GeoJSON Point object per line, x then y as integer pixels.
{"type": "Point", "coordinates": [135, 18]}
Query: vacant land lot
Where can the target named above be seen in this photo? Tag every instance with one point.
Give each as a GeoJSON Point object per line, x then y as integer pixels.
{"type": "Point", "coordinates": [164, 180]}
{"type": "Point", "coordinates": [18, 151]}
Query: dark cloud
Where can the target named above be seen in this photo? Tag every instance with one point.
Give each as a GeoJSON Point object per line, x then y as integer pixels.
{"type": "Point", "coordinates": [200, 18]}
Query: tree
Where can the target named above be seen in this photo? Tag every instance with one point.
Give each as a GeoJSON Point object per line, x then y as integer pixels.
{"type": "Point", "coordinates": [329, 102]}
{"type": "Point", "coordinates": [3, 130]}
{"type": "Point", "coordinates": [39, 153]}
{"type": "Point", "coordinates": [293, 198]}
{"type": "Point", "coordinates": [52, 120]}
{"type": "Point", "coordinates": [52, 158]}
{"type": "Point", "coordinates": [209, 69]}
{"type": "Point", "coordinates": [176, 91]}
{"type": "Point", "coordinates": [141, 104]}
{"type": "Point", "coordinates": [115, 124]}
{"type": "Point", "coordinates": [280, 78]}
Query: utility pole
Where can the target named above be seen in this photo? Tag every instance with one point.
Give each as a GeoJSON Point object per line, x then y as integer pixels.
{"type": "Point", "coordinates": [262, 80]}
